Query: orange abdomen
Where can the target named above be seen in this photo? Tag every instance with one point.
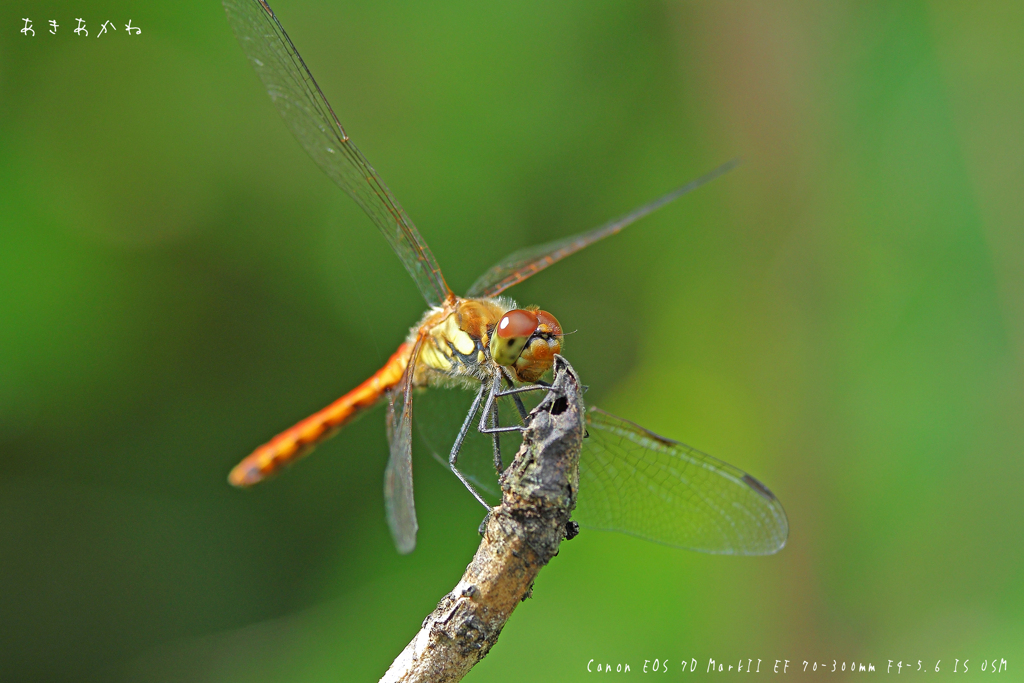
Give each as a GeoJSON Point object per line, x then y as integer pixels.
{"type": "Point", "coordinates": [297, 441]}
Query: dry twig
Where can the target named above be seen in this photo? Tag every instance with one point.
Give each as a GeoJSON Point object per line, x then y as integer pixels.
{"type": "Point", "coordinates": [521, 536]}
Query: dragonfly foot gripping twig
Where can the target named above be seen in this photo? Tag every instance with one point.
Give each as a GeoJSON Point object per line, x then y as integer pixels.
{"type": "Point", "coordinates": [521, 536]}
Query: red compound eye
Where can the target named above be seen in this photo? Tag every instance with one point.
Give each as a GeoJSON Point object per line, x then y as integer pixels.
{"type": "Point", "coordinates": [517, 323]}
{"type": "Point", "coordinates": [547, 323]}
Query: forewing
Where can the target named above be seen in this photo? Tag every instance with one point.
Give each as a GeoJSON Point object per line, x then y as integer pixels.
{"type": "Point", "coordinates": [636, 482]}
{"type": "Point", "coordinates": [524, 263]}
{"type": "Point", "coordinates": [309, 116]}
{"type": "Point", "coordinates": [398, 498]}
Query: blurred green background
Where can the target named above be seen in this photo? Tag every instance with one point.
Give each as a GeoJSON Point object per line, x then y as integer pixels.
{"type": "Point", "coordinates": [842, 316]}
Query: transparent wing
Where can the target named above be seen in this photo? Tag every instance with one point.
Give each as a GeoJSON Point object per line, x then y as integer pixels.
{"type": "Point", "coordinates": [309, 116]}
{"type": "Point", "coordinates": [524, 263]}
{"type": "Point", "coordinates": [636, 482]}
{"type": "Point", "coordinates": [439, 415]}
{"type": "Point", "coordinates": [398, 499]}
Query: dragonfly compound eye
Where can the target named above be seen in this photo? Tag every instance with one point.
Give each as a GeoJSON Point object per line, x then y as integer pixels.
{"type": "Point", "coordinates": [539, 354]}
{"type": "Point", "coordinates": [511, 334]}
{"type": "Point", "coordinates": [548, 325]}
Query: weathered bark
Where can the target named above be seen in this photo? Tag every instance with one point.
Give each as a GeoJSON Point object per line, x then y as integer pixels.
{"type": "Point", "coordinates": [521, 536]}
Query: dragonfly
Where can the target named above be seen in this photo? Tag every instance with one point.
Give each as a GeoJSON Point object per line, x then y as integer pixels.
{"type": "Point", "coordinates": [630, 479]}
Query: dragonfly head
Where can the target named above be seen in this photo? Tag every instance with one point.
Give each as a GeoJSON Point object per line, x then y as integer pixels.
{"type": "Point", "coordinates": [526, 341]}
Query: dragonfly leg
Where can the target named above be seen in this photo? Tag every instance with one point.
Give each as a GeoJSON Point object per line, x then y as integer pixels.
{"type": "Point", "coordinates": [491, 405]}
{"type": "Point", "coordinates": [518, 401]}
{"type": "Point", "coordinates": [489, 420]}
{"type": "Point", "coordinates": [515, 391]}
{"type": "Point", "coordinates": [453, 457]}
{"type": "Point", "coordinates": [523, 390]}
{"type": "Point", "coordinates": [496, 436]}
